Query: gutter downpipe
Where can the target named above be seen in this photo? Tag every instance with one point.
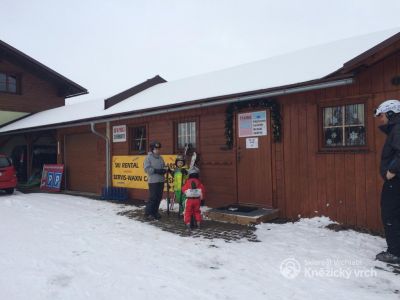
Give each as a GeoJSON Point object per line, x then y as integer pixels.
{"type": "Point", "coordinates": [107, 140]}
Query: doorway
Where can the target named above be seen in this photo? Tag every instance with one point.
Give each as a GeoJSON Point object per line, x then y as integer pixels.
{"type": "Point", "coordinates": [254, 159]}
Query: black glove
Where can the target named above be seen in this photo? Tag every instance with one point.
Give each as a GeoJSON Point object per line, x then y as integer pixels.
{"type": "Point", "coordinates": [160, 171]}
{"type": "Point", "coordinates": [184, 172]}
{"type": "Point", "coordinates": [202, 202]}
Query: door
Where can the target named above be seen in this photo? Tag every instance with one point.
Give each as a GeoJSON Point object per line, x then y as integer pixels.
{"type": "Point", "coordinates": [254, 161]}
{"type": "Point", "coordinates": [81, 162]}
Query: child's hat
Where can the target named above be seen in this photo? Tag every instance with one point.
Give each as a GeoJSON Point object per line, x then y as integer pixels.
{"type": "Point", "coordinates": [179, 158]}
{"type": "Point", "coordinates": [194, 170]}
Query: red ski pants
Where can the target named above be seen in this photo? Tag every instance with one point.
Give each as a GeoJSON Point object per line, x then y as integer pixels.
{"type": "Point", "coordinates": [192, 207]}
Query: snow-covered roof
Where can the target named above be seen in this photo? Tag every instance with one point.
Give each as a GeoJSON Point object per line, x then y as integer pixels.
{"type": "Point", "coordinates": [287, 69]}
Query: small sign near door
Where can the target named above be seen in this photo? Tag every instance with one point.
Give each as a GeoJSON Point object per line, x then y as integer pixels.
{"type": "Point", "coordinates": [252, 143]}
{"type": "Point", "coordinates": [252, 124]}
{"type": "Point", "coordinates": [119, 133]}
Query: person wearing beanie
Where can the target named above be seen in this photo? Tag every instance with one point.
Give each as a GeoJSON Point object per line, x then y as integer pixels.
{"type": "Point", "coordinates": [388, 114]}
{"type": "Point", "coordinates": [154, 166]}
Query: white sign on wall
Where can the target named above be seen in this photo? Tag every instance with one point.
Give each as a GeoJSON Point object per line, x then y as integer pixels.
{"type": "Point", "coordinates": [252, 124]}
{"type": "Point", "coordinates": [252, 143]}
{"type": "Point", "coordinates": [119, 133]}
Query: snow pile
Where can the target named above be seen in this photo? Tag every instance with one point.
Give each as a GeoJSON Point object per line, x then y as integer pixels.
{"type": "Point", "coordinates": [66, 247]}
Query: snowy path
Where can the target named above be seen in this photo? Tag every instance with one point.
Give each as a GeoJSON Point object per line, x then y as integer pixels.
{"type": "Point", "coordinates": [65, 247]}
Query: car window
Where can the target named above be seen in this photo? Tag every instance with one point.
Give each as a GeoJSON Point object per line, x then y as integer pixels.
{"type": "Point", "coordinates": [4, 162]}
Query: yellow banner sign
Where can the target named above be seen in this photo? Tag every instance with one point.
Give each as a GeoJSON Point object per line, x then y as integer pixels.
{"type": "Point", "coordinates": [128, 171]}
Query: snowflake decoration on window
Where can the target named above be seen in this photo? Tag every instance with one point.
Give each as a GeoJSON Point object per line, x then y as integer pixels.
{"type": "Point", "coordinates": [329, 141]}
{"type": "Point", "coordinates": [353, 136]}
{"type": "Point", "coordinates": [333, 135]}
{"type": "Point", "coordinates": [334, 120]}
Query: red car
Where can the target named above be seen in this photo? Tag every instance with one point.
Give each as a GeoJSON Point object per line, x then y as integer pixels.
{"type": "Point", "coordinates": [8, 176]}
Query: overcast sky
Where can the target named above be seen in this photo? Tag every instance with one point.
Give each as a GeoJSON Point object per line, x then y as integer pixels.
{"type": "Point", "coordinates": [109, 46]}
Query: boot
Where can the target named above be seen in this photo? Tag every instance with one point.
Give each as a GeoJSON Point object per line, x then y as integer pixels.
{"type": "Point", "coordinates": [148, 217]}
{"type": "Point", "coordinates": [388, 258]}
{"type": "Point", "coordinates": [198, 225]}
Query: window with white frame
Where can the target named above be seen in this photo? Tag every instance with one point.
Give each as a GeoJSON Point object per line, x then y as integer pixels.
{"type": "Point", "coordinates": [138, 140]}
{"type": "Point", "coordinates": [186, 134]}
{"type": "Point", "coordinates": [344, 126]}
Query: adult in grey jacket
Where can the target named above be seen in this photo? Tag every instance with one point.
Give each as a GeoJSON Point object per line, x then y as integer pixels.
{"type": "Point", "coordinates": [389, 117]}
{"type": "Point", "coordinates": [154, 166]}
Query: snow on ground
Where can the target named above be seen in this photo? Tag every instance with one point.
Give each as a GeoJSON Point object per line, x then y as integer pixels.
{"type": "Point", "coordinates": [66, 247]}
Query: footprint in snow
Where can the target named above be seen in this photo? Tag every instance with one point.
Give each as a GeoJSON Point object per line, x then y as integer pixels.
{"type": "Point", "coordinates": [61, 280]}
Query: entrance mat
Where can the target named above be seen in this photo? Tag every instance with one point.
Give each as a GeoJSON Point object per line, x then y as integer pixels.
{"type": "Point", "coordinates": [242, 215]}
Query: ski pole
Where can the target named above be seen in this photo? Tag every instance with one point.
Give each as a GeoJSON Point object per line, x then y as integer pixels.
{"type": "Point", "coordinates": [168, 187]}
{"type": "Point", "coordinates": [187, 146]}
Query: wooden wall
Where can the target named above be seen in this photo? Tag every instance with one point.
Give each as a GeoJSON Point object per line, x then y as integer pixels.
{"type": "Point", "coordinates": [344, 185]}
{"type": "Point", "coordinates": [306, 182]}
{"type": "Point", "coordinates": [36, 94]}
{"type": "Point", "coordinates": [217, 166]}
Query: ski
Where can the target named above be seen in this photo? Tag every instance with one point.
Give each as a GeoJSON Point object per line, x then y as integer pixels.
{"type": "Point", "coordinates": [192, 164]}
{"type": "Point", "coordinates": [193, 160]}
{"type": "Point", "coordinates": [187, 146]}
{"type": "Point", "coordinates": [396, 268]}
{"type": "Point", "coordinates": [390, 268]}
{"type": "Point", "coordinates": [168, 188]}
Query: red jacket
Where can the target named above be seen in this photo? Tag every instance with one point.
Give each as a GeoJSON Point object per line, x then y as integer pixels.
{"type": "Point", "coordinates": [199, 185]}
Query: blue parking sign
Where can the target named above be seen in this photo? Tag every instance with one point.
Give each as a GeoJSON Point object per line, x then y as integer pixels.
{"type": "Point", "coordinates": [57, 180]}
{"type": "Point", "coordinates": [50, 178]}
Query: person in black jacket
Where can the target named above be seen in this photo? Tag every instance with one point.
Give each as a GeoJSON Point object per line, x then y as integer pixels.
{"type": "Point", "coordinates": [154, 166]}
{"type": "Point", "coordinates": [389, 117]}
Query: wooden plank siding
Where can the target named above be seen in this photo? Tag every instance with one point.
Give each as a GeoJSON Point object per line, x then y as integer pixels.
{"type": "Point", "coordinates": [217, 166]}
{"type": "Point", "coordinates": [342, 185]}
{"type": "Point", "coordinates": [36, 94]}
{"type": "Point", "coordinates": [306, 181]}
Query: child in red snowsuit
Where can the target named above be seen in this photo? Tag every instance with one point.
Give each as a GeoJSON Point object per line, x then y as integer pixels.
{"type": "Point", "coordinates": [195, 193]}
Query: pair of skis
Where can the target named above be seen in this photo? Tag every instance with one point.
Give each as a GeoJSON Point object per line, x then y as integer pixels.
{"type": "Point", "coordinates": [391, 268]}
{"type": "Point", "coordinates": [192, 162]}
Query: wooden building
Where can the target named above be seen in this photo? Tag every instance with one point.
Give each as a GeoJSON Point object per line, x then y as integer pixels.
{"type": "Point", "coordinates": [316, 152]}
{"type": "Point", "coordinates": [28, 87]}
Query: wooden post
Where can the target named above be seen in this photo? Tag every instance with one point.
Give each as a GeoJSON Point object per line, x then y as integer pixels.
{"type": "Point", "coordinates": [29, 153]}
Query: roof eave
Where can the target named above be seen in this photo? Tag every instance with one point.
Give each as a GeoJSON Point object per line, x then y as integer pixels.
{"type": "Point", "coordinates": [355, 63]}
{"type": "Point", "coordinates": [240, 96]}
{"type": "Point", "coordinates": [38, 66]}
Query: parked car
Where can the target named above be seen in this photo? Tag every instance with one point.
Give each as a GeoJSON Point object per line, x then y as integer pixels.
{"type": "Point", "coordinates": [8, 176]}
